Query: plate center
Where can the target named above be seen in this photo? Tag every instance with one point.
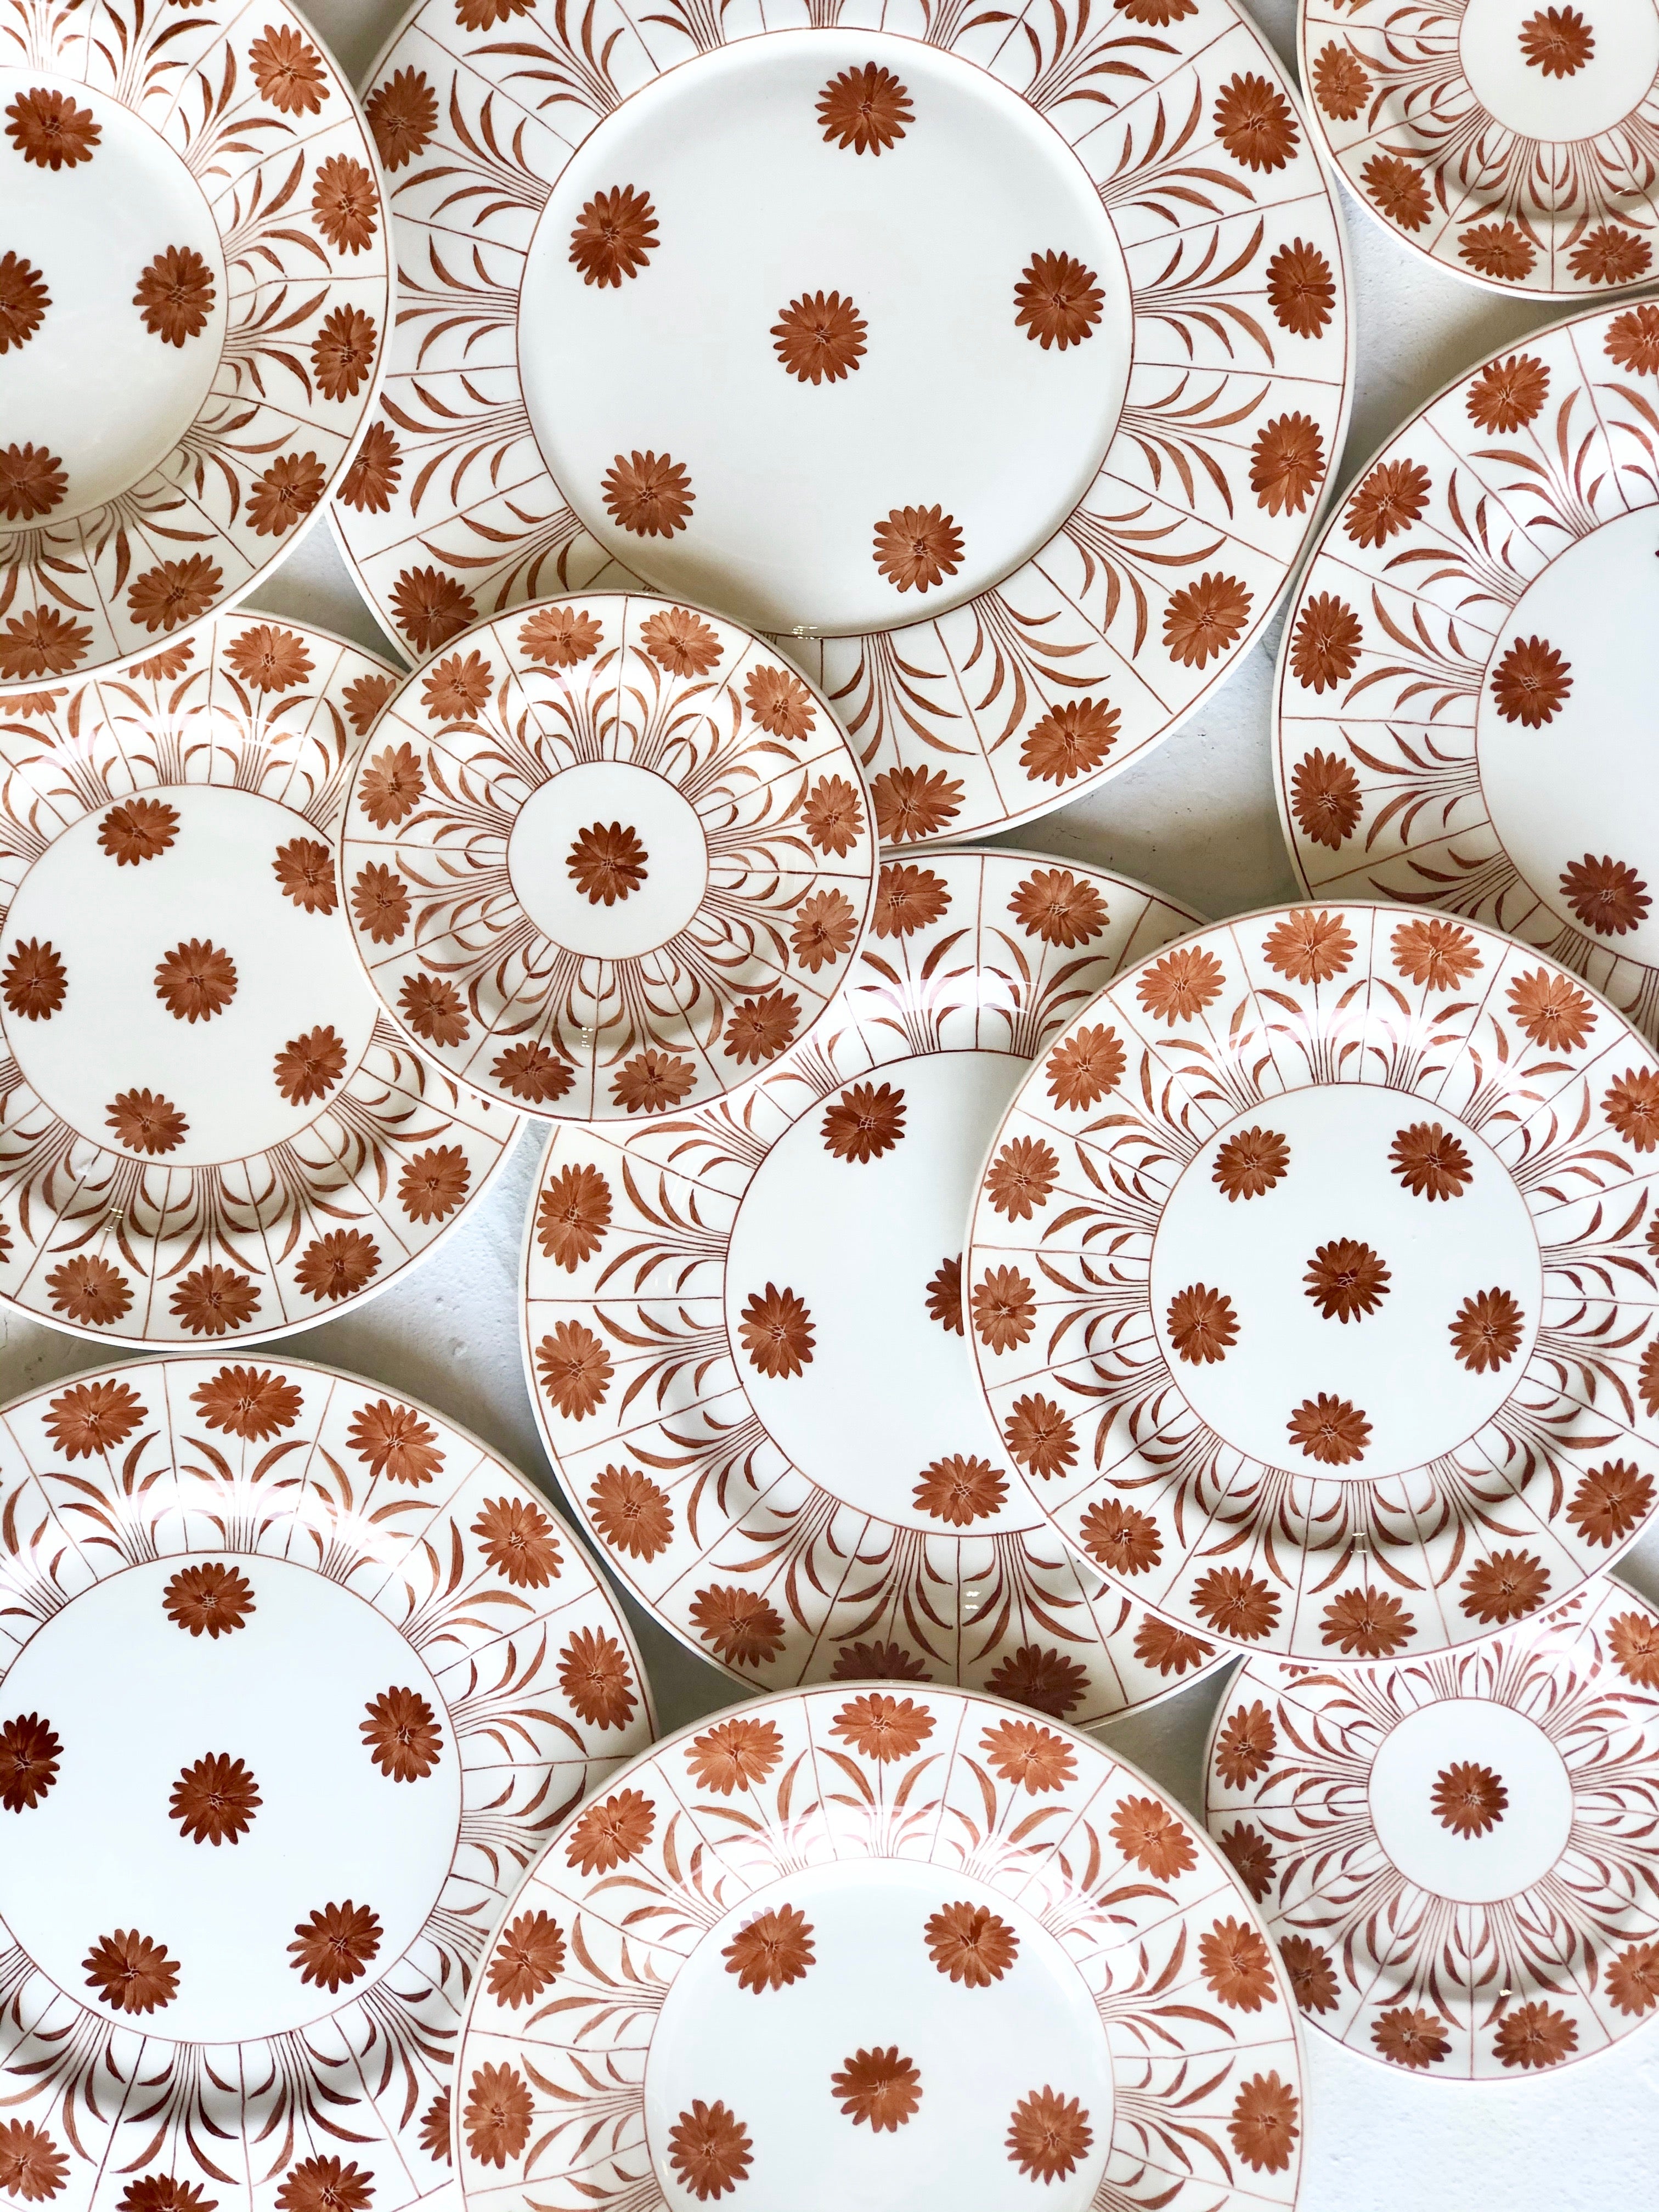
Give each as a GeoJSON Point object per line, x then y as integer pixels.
{"type": "Point", "coordinates": [609, 858]}
{"type": "Point", "coordinates": [180, 979]}
{"type": "Point", "coordinates": [843, 1976]}
{"type": "Point", "coordinates": [1557, 73]}
{"type": "Point", "coordinates": [118, 251]}
{"type": "Point", "coordinates": [1564, 736]}
{"type": "Point", "coordinates": [278, 1696]}
{"type": "Point", "coordinates": [1471, 1800]}
{"type": "Point", "coordinates": [1373, 1238]}
{"type": "Point", "coordinates": [858, 1211]}
{"type": "Point", "coordinates": [770, 335]}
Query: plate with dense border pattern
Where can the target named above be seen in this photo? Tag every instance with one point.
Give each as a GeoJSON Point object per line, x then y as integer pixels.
{"type": "Point", "coordinates": [1006, 405]}
{"type": "Point", "coordinates": [608, 857]}
{"type": "Point", "coordinates": [1455, 1856]}
{"type": "Point", "coordinates": [298, 1680]}
{"type": "Point", "coordinates": [194, 282]}
{"type": "Point", "coordinates": [1340, 1279]}
{"type": "Point", "coordinates": [744, 1326]}
{"type": "Point", "coordinates": [207, 1127]}
{"type": "Point", "coordinates": [855, 1947]}
{"type": "Point", "coordinates": [1464, 700]}
{"type": "Point", "coordinates": [1512, 144]}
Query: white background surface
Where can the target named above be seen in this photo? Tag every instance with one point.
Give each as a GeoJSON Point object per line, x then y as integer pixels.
{"type": "Point", "coordinates": [1196, 820]}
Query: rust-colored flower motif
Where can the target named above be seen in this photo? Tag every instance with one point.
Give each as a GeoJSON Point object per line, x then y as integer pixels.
{"type": "Point", "coordinates": [832, 816]}
{"type": "Point", "coordinates": [597, 1679]}
{"type": "Point", "coordinates": [1235, 1603]}
{"type": "Point", "coordinates": [337, 1945]}
{"type": "Point", "coordinates": [1508, 394]}
{"type": "Point", "coordinates": [1397, 191]}
{"type": "Point", "coordinates": [970, 1943]}
{"type": "Point", "coordinates": [214, 1801]}
{"type": "Point", "coordinates": [610, 1833]}
{"type": "Point", "coordinates": [270, 659]}
{"type": "Point", "coordinates": [1252, 121]}
{"type": "Point", "coordinates": [92, 1418]}
{"type": "Point", "coordinates": [1325, 798]}
{"type": "Point", "coordinates": [913, 802]}
{"type": "Point", "coordinates": [653, 1081]}
{"type": "Point", "coordinates": [1324, 653]}
{"type": "Point", "coordinates": [171, 660]}
{"type": "Point", "coordinates": [1245, 1746]}
{"type": "Point", "coordinates": [211, 1600]}
{"type": "Point", "coordinates": [780, 702]}
{"type": "Point", "coordinates": [42, 642]}
{"type": "Point", "coordinates": [772, 1951]}
{"type": "Point", "coordinates": [1058, 300]}
{"type": "Point", "coordinates": [1070, 740]}
{"type": "Point", "coordinates": [1203, 619]}
{"type": "Point", "coordinates": [517, 1540]}
{"type": "Point", "coordinates": [393, 1441]}
{"type": "Point", "coordinates": [433, 2138]}
{"type": "Point", "coordinates": [1634, 1640]}
{"type": "Point", "coordinates": [1329, 1430]}
{"type": "Point", "coordinates": [249, 1402]}
{"type": "Point", "coordinates": [615, 235]}
{"type": "Point", "coordinates": [1607, 255]}
{"type": "Point", "coordinates": [739, 1625]}
{"type": "Point", "coordinates": [1059, 908]}
{"type": "Point", "coordinates": [343, 352]}
{"type": "Point", "coordinates": [866, 109]}
{"type": "Point", "coordinates": [1251, 1164]}
{"type": "Point", "coordinates": [1631, 1979]}
{"type": "Point", "coordinates": [1312, 1977]}
{"type": "Point", "coordinates": [680, 641]}
{"type": "Point", "coordinates": [878, 1662]}
{"type": "Point", "coordinates": [648, 494]}
{"type": "Point", "coordinates": [1171, 1650]}
{"type": "Point", "coordinates": [709, 2148]}
{"type": "Point", "coordinates": [823, 931]}
{"type": "Point", "coordinates": [327, 2184]}
{"type": "Point", "coordinates": [1048, 2135]}
{"type": "Point", "coordinates": [1366, 1624]}
{"type": "Point", "coordinates": [1160, 13]}
{"type": "Point", "coordinates": [390, 784]}
{"type": "Point", "coordinates": [337, 1265]}
{"type": "Point", "coordinates": [1022, 1177]}
{"type": "Point", "coordinates": [1046, 1680]}
{"type": "Point", "coordinates": [560, 637]}
{"type": "Point", "coordinates": [1534, 2035]}
{"type": "Point", "coordinates": [1611, 1502]}
{"type": "Point", "coordinates": [309, 1067]}
{"type": "Point", "coordinates": [775, 1330]}
{"type": "Point", "coordinates": [1530, 684]}
{"type": "Point", "coordinates": [1340, 85]}
{"type": "Point", "coordinates": [1557, 40]}
{"type": "Point", "coordinates": [364, 699]}
{"type": "Point", "coordinates": [1345, 1279]}
{"type": "Point", "coordinates": [1250, 1854]}
{"type": "Point", "coordinates": [959, 1489]}
{"type": "Point", "coordinates": [31, 483]}
{"type": "Point", "coordinates": [1264, 2127]}
{"type": "Point", "coordinates": [163, 2192]}
{"type": "Point", "coordinates": [917, 547]}
{"type": "Point", "coordinates": [1605, 894]}
{"type": "Point", "coordinates": [819, 337]}
{"type": "Point", "coordinates": [145, 1121]}
{"type": "Point", "coordinates": [1030, 1758]}
{"type": "Point", "coordinates": [1431, 1162]}
{"type": "Point", "coordinates": [944, 1295]}
{"type": "Point", "coordinates": [1004, 1310]}
{"type": "Point", "coordinates": [1498, 249]}
{"type": "Point", "coordinates": [498, 2113]}
{"type": "Point", "coordinates": [1407, 2037]}
{"type": "Point", "coordinates": [367, 485]}
{"type": "Point", "coordinates": [174, 593]}
{"type": "Point", "coordinates": [1301, 290]}
{"type": "Point", "coordinates": [1179, 986]}
{"type": "Point", "coordinates": [1309, 947]}
{"type": "Point", "coordinates": [31, 2164]}
{"type": "Point", "coordinates": [1151, 1837]}
{"type": "Point", "coordinates": [1121, 1537]}
{"type": "Point", "coordinates": [176, 293]}
{"type": "Point", "coordinates": [434, 1009]}
{"type": "Point", "coordinates": [1469, 1800]}
{"type": "Point", "coordinates": [431, 608]}
{"type": "Point", "coordinates": [402, 1734]}
{"type": "Point", "coordinates": [213, 1301]}
{"type": "Point", "coordinates": [304, 869]}
{"type": "Point", "coordinates": [1505, 1587]}
{"type": "Point", "coordinates": [29, 1750]}
{"type": "Point", "coordinates": [864, 1122]}
{"type": "Point", "coordinates": [1631, 1103]}
{"type": "Point", "coordinates": [24, 300]}
{"type": "Point", "coordinates": [532, 1072]}
{"type": "Point", "coordinates": [1632, 339]}
{"type": "Point", "coordinates": [89, 1289]}
{"type": "Point", "coordinates": [1551, 1011]}
{"type": "Point", "coordinates": [736, 1754]}
{"type": "Point", "coordinates": [1486, 1333]}
{"type": "Point", "coordinates": [1392, 497]}
{"type": "Point", "coordinates": [50, 131]}
{"type": "Point", "coordinates": [1287, 461]}
{"type": "Point", "coordinates": [1203, 1325]}
{"type": "Point", "coordinates": [528, 1956]}
{"type": "Point", "coordinates": [289, 72]}
{"type": "Point", "coordinates": [573, 1214]}
{"type": "Point", "coordinates": [759, 1029]}
{"type": "Point", "coordinates": [131, 1973]}
{"type": "Point", "coordinates": [607, 863]}
{"type": "Point", "coordinates": [345, 204]}
{"type": "Point", "coordinates": [878, 2088]}
{"type": "Point", "coordinates": [1237, 1966]}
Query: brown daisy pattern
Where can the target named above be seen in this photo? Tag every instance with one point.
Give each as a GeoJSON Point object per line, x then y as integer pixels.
{"type": "Point", "coordinates": [529, 1957]}
{"type": "Point", "coordinates": [131, 1973]}
{"type": "Point", "coordinates": [615, 235]}
{"type": "Point", "coordinates": [1431, 1162]}
{"type": "Point", "coordinates": [819, 337]}
{"type": "Point", "coordinates": [1058, 302]}
{"type": "Point", "coordinates": [32, 482]}
{"type": "Point", "coordinates": [1071, 740]}
{"type": "Point", "coordinates": [970, 1944]}
{"type": "Point", "coordinates": [776, 1334]}
{"type": "Point", "coordinates": [960, 1489]}
{"type": "Point", "coordinates": [402, 1735]}
{"type": "Point", "coordinates": [175, 295]}
{"type": "Point", "coordinates": [196, 981]}
{"type": "Point", "coordinates": [1203, 1325]}
{"type": "Point", "coordinates": [1252, 121]}
{"type": "Point", "coordinates": [211, 1600]}
{"type": "Point", "coordinates": [1346, 1280]}
{"type": "Point", "coordinates": [1287, 464]}
{"type": "Point", "coordinates": [710, 2149]}
{"type": "Point", "coordinates": [867, 109]}
{"type": "Point", "coordinates": [336, 1945]}
{"type": "Point", "coordinates": [735, 1755]}
{"type": "Point", "coordinates": [878, 2088]}
{"type": "Point", "coordinates": [916, 548]}
{"type": "Point", "coordinates": [51, 129]}
{"type": "Point", "coordinates": [649, 494]}
{"type": "Point", "coordinates": [1468, 1799]}
{"type": "Point", "coordinates": [774, 1949]}
{"type": "Point", "coordinates": [215, 1801]}
{"type": "Point", "coordinates": [1531, 683]}
{"type": "Point", "coordinates": [497, 2116]}
{"type": "Point", "coordinates": [606, 863]}
{"type": "Point", "coordinates": [29, 1759]}
{"type": "Point", "coordinates": [1605, 894]}
{"type": "Point", "coordinates": [24, 300]}
{"type": "Point", "coordinates": [1325, 645]}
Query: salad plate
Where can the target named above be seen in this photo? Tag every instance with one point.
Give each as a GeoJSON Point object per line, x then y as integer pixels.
{"type": "Point", "coordinates": [851, 1948]}
{"type": "Point", "coordinates": [1455, 1856]}
{"type": "Point", "coordinates": [1006, 405]}
{"type": "Point", "coordinates": [1312, 1282]}
{"type": "Point", "coordinates": [298, 1680]}
{"type": "Point", "coordinates": [207, 1129]}
{"type": "Point", "coordinates": [743, 1325]}
{"type": "Point", "coordinates": [194, 281]}
{"type": "Point", "coordinates": [1463, 699]}
{"type": "Point", "coordinates": [609, 856]}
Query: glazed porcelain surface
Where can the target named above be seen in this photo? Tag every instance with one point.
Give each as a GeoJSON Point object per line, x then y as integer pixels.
{"type": "Point", "coordinates": [609, 856]}
{"type": "Point", "coordinates": [194, 279]}
{"type": "Point", "coordinates": [1312, 1282]}
{"type": "Point", "coordinates": [208, 1129]}
{"type": "Point", "coordinates": [852, 1947]}
{"type": "Point", "coordinates": [1007, 402]}
{"type": "Point", "coordinates": [1457, 1856]}
{"type": "Point", "coordinates": [298, 1681]}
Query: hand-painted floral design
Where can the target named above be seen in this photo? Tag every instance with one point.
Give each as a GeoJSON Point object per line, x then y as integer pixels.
{"type": "Point", "coordinates": [92, 1418]}
{"type": "Point", "coordinates": [607, 863]}
{"type": "Point", "coordinates": [211, 1600]}
{"type": "Point", "coordinates": [1346, 1280]}
{"type": "Point", "coordinates": [1058, 302]}
{"type": "Point", "coordinates": [970, 1944]}
{"type": "Point", "coordinates": [326, 2184]}
{"type": "Point", "coordinates": [710, 2149]}
{"type": "Point", "coordinates": [1253, 120]}
{"type": "Point", "coordinates": [528, 1958]}
{"type": "Point", "coordinates": [819, 337]}
{"type": "Point", "coordinates": [51, 130]}
{"type": "Point", "coordinates": [1302, 289]}
{"type": "Point", "coordinates": [402, 1734]}
{"type": "Point", "coordinates": [196, 981]}
{"type": "Point", "coordinates": [1611, 1502]}
{"type": "Point", "coordinates": [1325, 647]}
{"type": "Point", "coordinates": [773, 1950]}
{"type": "Point", "coordinates": [249, 1402]}
{"type": "Point", "coordinates": [29, 1760]}
{"type": "Point", "coordinates": [497, 2117]}
{"type": "Point", "coordinates": [878, 2088]}
{"type": "Point", "coordinates": [176, 294]}
{"type": "Point", "coordinates": [337, 1945]}
{"type": "Point", "coordinates": [1048, 2135]}
{"type": "Point", "coordinates": [647, 493]}
{"type": "Point", "coordinates": [1468, 1799]}
{"type": "Point", "coordinates": [129, 1973]}
{"type": "Point", "coordinates": [1202, 1324]}
{"type": "Point", "coordinates": [735, 1755]}
{"type": "Point", "coordinates": [24, 300]}
{"type": "Point", "coordinates": [145, 1121]}
{"type": "Point", "coordinates": [615, 235]}
{"type": "Point", "coordinates": [1340, 85]}
{"type": "Point", "coordinates": [1430, 1163]}
{"type": "Point", "coordinates": [215, 1801]}
{"type": "Point", "coordinates": [918, 547]}
{"type": "Point", "coordinates": [1605, 894]}
{"type": "Point", "coordinates": [1071, 740]}
{"type": "Point", "coordinates": [867, 109]}
{"type": "Point", "coordinates": [31, 483]}
{"type": "Point", "coordinates": [882, 1727]}
{"type": "Point", "coordinates": [739, 1627]}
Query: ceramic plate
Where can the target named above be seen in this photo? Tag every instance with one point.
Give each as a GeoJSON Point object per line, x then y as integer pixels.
{"type": "Point", "coordinates": [743, 1327]}
{"type": "Point", "coordinates": [206, 1128]}
{"type": "Point", "coordinates": [855, 1948]}
{"type": "Point", "coordinates": [1511, 142]}
{"type": "Point", "coordinates": [1457, 1857]}
{"type": "Point", "coordinates": [193, 284]}
{"type": "Point", "coordinates": [298, 1678]}
{"type": "Point", "coordinates": [608, 857]}
{"type": "Point", "coordinates": [1465, 691]}
{"type": "Point", "coordinates": [1008, 396]}
{"type": "Point", "coordinates": [1337, 1283]}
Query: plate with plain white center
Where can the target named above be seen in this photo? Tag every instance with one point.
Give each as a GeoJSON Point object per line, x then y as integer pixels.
{"type": "Point", "coordinates": [743, 1325]}
{"type": "Point", "coordinates": [1005, 405]}
{"type": "Point", "coordinates": [246, 1869]}
{"type": "Point", "coordinates": [883, 1947]}
{"type": "Point", "coordinates": [1284, 1165]}
{"type": "Point", "coordinates": [208, 1128]}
